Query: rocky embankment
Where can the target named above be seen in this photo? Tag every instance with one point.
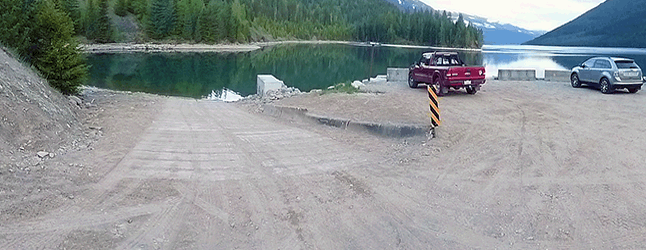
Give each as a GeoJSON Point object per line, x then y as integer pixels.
{"type": "Point", "coordinates": [36, 121]}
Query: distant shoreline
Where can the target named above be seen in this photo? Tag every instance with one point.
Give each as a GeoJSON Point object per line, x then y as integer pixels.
{"type": "Point", "coordinates": [185, 47]}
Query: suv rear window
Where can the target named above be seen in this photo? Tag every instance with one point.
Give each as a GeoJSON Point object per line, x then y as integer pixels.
{"type": "Point", "coordinates": [625, 64]}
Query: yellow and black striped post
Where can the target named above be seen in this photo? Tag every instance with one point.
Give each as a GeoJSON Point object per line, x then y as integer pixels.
{"type": "Point", "coordinates": [435, 107]}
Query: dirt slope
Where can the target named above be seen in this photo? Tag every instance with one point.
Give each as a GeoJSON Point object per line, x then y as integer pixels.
{"type": "Point", "coordinates": [33, 116]}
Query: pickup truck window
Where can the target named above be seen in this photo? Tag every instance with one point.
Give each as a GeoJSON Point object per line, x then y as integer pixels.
{"type": "Point", "coordinates": [425, 61]}
{"type": "Point", "coordinates": [451, 60]}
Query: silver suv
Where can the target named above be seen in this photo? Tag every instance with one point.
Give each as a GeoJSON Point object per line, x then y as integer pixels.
{"type": "Point", "coordinates": [608, 73]}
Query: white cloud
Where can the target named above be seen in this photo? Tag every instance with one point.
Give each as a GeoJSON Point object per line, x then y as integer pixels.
{"type": "Point", "coordinates": [532, 15]}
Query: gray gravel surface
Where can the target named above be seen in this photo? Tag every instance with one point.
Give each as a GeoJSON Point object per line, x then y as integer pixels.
{"type": "Point", "coordinates": [520, 165]}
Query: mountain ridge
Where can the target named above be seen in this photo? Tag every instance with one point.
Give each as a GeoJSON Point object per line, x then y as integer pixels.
{"type": "Point", "coordinates": [613, 23]}
{"type": "Point", "coordinates": [494, 33]}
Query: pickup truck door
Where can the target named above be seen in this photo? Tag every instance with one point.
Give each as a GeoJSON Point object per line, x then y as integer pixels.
{"type": "Point", "coordinates": [427, 70]}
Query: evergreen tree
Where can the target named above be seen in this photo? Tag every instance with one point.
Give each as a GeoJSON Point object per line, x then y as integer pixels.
{"type": "Point", "coordinates": [460, 30]}
{"type": "Point", "coordinates": [162, 18]}
{"type": "Point", "coordinates": [104, 27]}
{"type": "Point", "coordinates": [58, 58]}
{"type": "Point", "coordinates": [90, 19]}
{"type": "Point", "coordinates": [239, 29]}
{"type": "Point", "coordinates": [15, 26]}
{"type": "Point", "coordinates": [140, 8]}
{"type": "Point", "coordinates": [121, 7]}
{"type": "Point", "coordinates": [188, 13]}
{"type": "Point", "coordinates": [71, 7]}
{"type": "Point", "coordinates": [215, 22]}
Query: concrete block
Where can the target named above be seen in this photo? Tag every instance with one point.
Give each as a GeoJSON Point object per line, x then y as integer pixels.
{"type": "Point", "coordinates": [266, 83]}
{"type": "Point", "coordinates": [516, 74]}
{"type": "Point", "coordinates": [397, 74]}
{"type": "Point", "coordinates": [557, 75]}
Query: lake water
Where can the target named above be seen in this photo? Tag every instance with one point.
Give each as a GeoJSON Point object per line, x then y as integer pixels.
{"type": "Point", "coordinates": [306, 66]}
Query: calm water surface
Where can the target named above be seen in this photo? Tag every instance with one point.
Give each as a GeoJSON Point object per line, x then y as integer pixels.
{"type": "Point", "coordinates": [306, 67]}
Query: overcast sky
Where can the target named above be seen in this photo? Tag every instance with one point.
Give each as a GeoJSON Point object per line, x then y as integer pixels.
{"type": "Point", "coordinates": [533, 15]}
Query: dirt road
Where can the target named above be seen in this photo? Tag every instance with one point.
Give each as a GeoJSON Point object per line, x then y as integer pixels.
{"type": "Point", "coordinates": [520, 165]}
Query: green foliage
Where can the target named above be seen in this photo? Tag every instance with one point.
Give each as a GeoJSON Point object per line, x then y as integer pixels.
{"type": "Point", "coordinates": [121, 7]}
{"type": "Point", "coordinates": [96, 21]}
{"type": "Point", "coordinates": [188, 13]}
{"type": "Point", "coordinates": [141, 9]}
{"type": "Point", "coordinates": [240, 23]}
{"type": "Point", "coordinates": [58, 58]}
{"type": "Point", "coordinates": [15, 26]}
{"type": "Point", "coordinates": [162, 18]}
{"type": "Point", "coordinates": [342, 88]}
{"type": "Point", "coordinates": [71, 7]}
{"type": "Point", "coordinates": [214, 23]}
{"type": "Point", "coordinates": [104, 27]}
{"type": "Point", "coordinates": [42, 33]}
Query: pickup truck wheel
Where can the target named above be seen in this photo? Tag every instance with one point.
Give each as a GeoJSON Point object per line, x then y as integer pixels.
{"type": "Point", "coordinates": [574, 80]}
{"type": "Point", "coordinates": [471, 90]}
{"type": "Point", "coordinates": [412, 83]}
{"type": "Point", "coordinates": [438, 87]}
{"type": "Point", "coordinates": [633, 90]}
{"type": "Point", "coordinates": [605, 86]}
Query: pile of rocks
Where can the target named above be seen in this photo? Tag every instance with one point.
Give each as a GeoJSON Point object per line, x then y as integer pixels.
{"type": "Point", "coordinates": [79, 103]}
{"type": "Point", "coordinates": [273, 95]}
{"type": "Point", "coordinates": [284, 92]}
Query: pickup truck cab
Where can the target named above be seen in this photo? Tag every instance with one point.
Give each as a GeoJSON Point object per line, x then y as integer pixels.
{"type": "Point", "coordinates": [446, 70]}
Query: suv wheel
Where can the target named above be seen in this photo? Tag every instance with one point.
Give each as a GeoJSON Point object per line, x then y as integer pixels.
{"type": "Point", "coordinates": [471, 90]}
{"type": "Point", "coordinates": [605, 86]}
{"type": "Point", "coordinates": [411, 83]}
{"type": "Point", "coordinates": [574, 80]}
{"type": "Point", "coordinates": [633, 89]}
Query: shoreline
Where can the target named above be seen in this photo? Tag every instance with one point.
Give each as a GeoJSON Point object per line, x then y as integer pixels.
{"type": "Point", "coordinates": [186, 47]}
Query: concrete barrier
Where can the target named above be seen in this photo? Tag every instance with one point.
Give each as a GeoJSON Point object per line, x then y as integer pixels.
{"type": "Point", "coordinates": [557, 75]}
{"type": "Point", "coordinates": [516, 74]}
{"type": "Point", "coordinates": [266, 83]}
{"type": "Point", "coordinates": [397, 74]}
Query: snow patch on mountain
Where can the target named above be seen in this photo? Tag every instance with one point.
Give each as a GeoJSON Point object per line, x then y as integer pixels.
{"type": "Point", "coordinates": [497, 33]}
{"type": "Point", "coordinates": [494, 32]}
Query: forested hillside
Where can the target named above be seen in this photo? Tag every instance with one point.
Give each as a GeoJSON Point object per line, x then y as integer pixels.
{"type": "Point", "coordinates": [216, 21]}
{"type": "Point", "coordinates": [614, 23]}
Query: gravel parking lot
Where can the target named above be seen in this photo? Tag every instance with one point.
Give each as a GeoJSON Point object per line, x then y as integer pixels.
{"type": "Point", "coordinates": [527, 164]}
{"type": "Point", "coordinates": [519, 165]}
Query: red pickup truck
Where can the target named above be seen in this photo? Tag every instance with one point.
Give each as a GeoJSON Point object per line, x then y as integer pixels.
{"type": "Point", "coordinates": [446, 70]}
